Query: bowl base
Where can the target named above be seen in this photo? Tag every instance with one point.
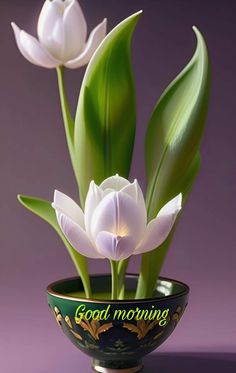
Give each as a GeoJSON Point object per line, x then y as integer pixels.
{"type": "Point", "coordinates": [117, 366]}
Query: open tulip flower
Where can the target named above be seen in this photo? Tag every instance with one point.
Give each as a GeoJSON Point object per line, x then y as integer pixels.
{"type": "Point", "coordinates": [62, 32]}
{"type": "Point", "coordinates": [114, 222]}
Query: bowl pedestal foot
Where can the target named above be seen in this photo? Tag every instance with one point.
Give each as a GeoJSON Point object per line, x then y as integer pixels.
{"type": "Point", "coordinates": [125, 366]}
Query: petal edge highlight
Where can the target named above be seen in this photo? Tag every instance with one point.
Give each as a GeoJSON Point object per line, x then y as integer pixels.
{"type": "Point", "coordinates": [69, 207]}
{"type": "Point", "coordinates": [95, 39]}
{"type": "Point", "coordinates": [77, 237]}
{"type": "Point", "coordinates": [159, 228]}
{"type": "Point", "coordinates": [32, 50]}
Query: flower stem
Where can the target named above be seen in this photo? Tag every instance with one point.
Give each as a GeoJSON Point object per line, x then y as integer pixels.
{"type": "Point", "coordinates": [79, 261]}
{"type": "Point", "coordinates": [114, 279]}
{"type": "Point", "coordinates": [81, 265]}
{"type": "Point", "coordinates": [122, 267]}
{"type": "Point", "coordinates": [67, 118]}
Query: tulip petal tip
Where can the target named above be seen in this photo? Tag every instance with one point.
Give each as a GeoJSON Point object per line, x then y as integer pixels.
{"type": "Point", "coordinates": [15, 27]}
{"type": "Point", "coordinates": [180, 199]}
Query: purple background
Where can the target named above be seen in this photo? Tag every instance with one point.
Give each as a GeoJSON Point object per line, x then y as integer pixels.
{"type": "Point", "coordinates": [34, 161]}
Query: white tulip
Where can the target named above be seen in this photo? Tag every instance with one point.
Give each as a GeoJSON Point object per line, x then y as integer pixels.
{"type": "Point", "coordinates": [62, 32]}
{"type": "Point", "coordinates": [114, 222]}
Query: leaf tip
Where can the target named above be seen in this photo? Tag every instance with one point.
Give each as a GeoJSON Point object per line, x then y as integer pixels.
{"type": "Point", "coordinates": [135, 15]}
{"type": "Point", "coordinates": [201, 44]}
{"type": "Point", "coordinates": [138, 14]}
{"type": "Point", "coordinates": [198, 33]}
{"type": "Point", "coordinates": [20, 197]}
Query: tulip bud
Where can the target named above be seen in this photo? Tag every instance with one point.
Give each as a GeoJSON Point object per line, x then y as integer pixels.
{"type": "Point", "coordinates": [62, 33]}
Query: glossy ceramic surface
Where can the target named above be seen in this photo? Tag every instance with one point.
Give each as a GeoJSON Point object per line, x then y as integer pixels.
{"type": "Point", "coordinates": [117, 334]}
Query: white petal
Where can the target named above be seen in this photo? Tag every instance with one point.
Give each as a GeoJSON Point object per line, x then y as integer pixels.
{"type": "Point", "coordinates": [75, 30]}
{"type": "Point", "coordinates": [117, 213]}
{"type": "Point", "coordinates": [171, 207]}
{"type": "Point", "coordinates": [135, 192]}
{"type": "Point", "coordinates": [17, 31]}
{"type": "Point", "coordinates": [32, 50]}
{"type": "Point", "coordinates": [95, 39]}
{"type": "Point", "coordinates": [107, 191]}
{"type": "Point", "coordinates": [77, 237]}
{"type": "Point", "coordinates": [93, 198]}
{"type": "Point", "coordinates": [56, 45]}
{"type": "Point", "coordinates": [114, 182]}
{"type": "Point", "coordinates": [67, 206]}
{"type": "Point", "coordinates": [62, 28]}
{"type": "Point", "coordinates": [51, 29]}
{"type": "Point", "coordinates": [49, 15]}
{"type": "Point", "coordinates": [115, 247]}
{"type": "Point", "coordinates": [159, 228]}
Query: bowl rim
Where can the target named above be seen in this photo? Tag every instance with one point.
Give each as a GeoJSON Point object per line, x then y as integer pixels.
{"type": "Point", "coordinates": [54, 293]}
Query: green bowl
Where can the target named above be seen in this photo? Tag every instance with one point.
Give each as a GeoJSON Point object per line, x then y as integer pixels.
{"type": "Point", "coordinates": [117, 334]}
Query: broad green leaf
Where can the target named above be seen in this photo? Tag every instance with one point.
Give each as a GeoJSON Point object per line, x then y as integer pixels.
{"type": "Point", "coordinates": [106, 114]}
{"type": "Point", "coordinates": [175, 129]}
{"type": "Point", "coordinates": [171, 147]}
{"type": "Point", "coordinates": [45, 211]}
{"type": "Point", "coordinates": [152, 262]}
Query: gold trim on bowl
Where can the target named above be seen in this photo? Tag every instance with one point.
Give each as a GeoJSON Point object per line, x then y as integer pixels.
{"type": "Point", "coordinates": [185, 290]}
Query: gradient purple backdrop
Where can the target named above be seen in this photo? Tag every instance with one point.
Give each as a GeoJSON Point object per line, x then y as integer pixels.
{"type": "Point", "coordinates": [34, 161]}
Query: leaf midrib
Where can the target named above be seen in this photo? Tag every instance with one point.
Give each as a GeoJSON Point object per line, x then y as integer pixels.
{"type": "Point", "coordinates": [171, 135]}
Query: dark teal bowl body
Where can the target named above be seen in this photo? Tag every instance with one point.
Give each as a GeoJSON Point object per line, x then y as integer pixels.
{"type": "Point", "coordinates": [117, 334]}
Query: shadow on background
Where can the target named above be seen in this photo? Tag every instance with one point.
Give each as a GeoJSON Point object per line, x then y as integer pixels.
{"type": "Point", "coordinates": [190, 362]}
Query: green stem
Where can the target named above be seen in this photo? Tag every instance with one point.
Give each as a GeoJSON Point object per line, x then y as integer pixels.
{"type": "Point", "coordinates": [79, 261]}
{"type": "Point", "coordinates": [67, 118]}
{"type": "Point", "coordinates": [151, 266]}
{"type": "Point", "coordinates": [122, 267]}
{"type": "Point", "coordinates": [114, 279]}
{"type": "Point", "coordinates": [142, 286]}
{"type": "Point", "coordinates": [148, 276]}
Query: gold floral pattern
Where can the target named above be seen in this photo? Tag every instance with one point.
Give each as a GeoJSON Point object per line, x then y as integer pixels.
{"type": "Point", "coordinates": [57, 315]}
{"type": "Point", "coordinates": [142, 327]}
{"type": "Point", "coordinates": [67, 320]}
{"type": "Point", "coordinates": [95, 328]}
{"type": "Point", "coordinates": [59, 320]}
{"type": "Point", "coordinates": [158, 335]}
{"type": "Point", "coordinates": [177, 315]}
{"type": "Point", "coordinates": [76, 335]}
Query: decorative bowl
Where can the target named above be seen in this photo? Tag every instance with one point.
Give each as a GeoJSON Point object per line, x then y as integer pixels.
{"type": "Point", "coordinates": [117, 334]}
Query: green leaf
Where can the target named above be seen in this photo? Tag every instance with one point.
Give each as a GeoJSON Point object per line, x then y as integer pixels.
{"type": "Point", "coordinates": [106, 113]}
{"type": "Point", "coordinates": [152, 262]}
{"type": "Point", "coordinates": [45, 211]}
{"type": "Point", "coordinates": [175, 129]}
{"type": "Point", "coordinates": [171, 149]}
